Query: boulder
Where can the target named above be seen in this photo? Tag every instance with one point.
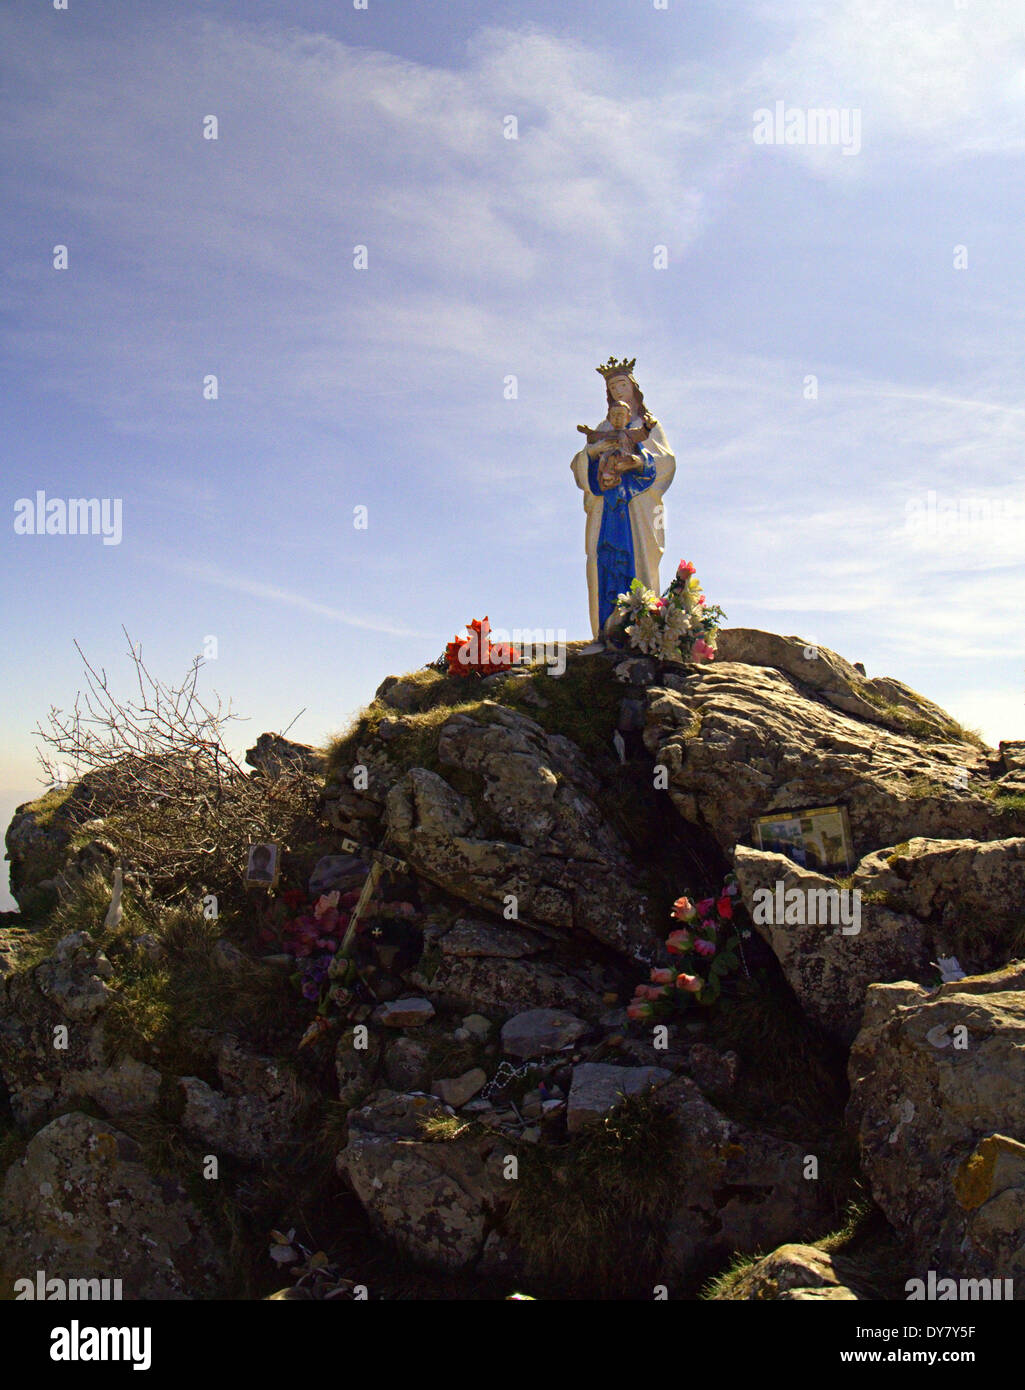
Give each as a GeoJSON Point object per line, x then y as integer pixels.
{"type": "Point", "coordinates": [341, 871]}
{"type": "Point", "coordinates": [404, 1013]}
{"type": "Point", "coordinates": [597, 1088]}
{"type": "Point", "coordinates": [81, 1203]}
{"type": "Point", "coordinates": [254, 1117]}
{"type": "Point", "coordinates": [503, 986]}
{"type": "Point", "coordinates": [434, 1199]}
{"type": "Point", "coordinates": [828, 966]}
{"type": "Point", "coordinates": [457, 1090]}
{"type": "Point", "coordinates": [797, 1273]}
{"type": "Point", "coordinates": [739, 741]}
{"type": "Point", "coordinates": [741, 1189]}
{"type": "Point", "coordinates": [936, 1086]}
{"type": "Point", "coordinates": [534, 832]}
{"type": "Point", "coordinates": [272, 756]}
{"type": "Point", "coordinates": [539, 1031]}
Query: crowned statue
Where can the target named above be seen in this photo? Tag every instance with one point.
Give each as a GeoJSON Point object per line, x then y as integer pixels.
{"type": "Point", "coordinates": [623, 470]}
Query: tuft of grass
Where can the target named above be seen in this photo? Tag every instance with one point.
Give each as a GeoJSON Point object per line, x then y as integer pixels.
{"type": "Point", "coordinates": [580, 1208]}
{"type": "Point", "coordinates": [919, 726]}
{"type": "Point", "coordinates": [1008, 803]}
{"type": "Point", "coordinates": [45, 807]}
{"type": "Point", "coordinates": [442, 1129]}
{"type": "Point", "coordinates": [921, 787]}
{"type": "Point", "coordinates": [899, 851]}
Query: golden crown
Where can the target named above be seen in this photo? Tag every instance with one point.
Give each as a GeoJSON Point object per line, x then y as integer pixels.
{"type": "Point", "coordinates": [614, 368]}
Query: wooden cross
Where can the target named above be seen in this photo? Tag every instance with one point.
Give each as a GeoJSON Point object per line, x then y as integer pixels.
{"type": "Point", "coordinates": [379, 863]}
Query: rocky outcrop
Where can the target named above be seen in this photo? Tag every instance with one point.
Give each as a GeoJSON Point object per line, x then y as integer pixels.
{"type": "Point", "coordinates": [81, 1204]}
{"type": "Point", "coordinates": [936, 1087]}
{"type": "Point", "coordinates": [253, 1118]}
{"type": "Point", "coordinates": [741, 1189]}
{"type": "Point", "coordinates": [533, 836]}
{"type": "Point", "coordinates": [739, 740]}
{"type": "Point", "coordinates": [434, 1199]}
{"type": "Point", "coordinates": [829, 960]}
{"type": "Point", "coordinates": [273, 756]}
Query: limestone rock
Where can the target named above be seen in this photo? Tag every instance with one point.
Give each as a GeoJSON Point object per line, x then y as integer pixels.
{"type": "Point", "coordinates": [272, 756]}
{"type": "Point", "coordinates": [457, 1090]}
{"type": "Point", "coordinates": [829, 967]}
{"type": "Point", "coordinates": [81, 1204]}
{"type": "Point", "coordinates": [537, 1031]}
{"type": "Point", "coordinates": [253, 1118]}
{"type": "Point", "coordinates": [435, 1200]}
{"type": "Point", "coordinates": [404, 1013]}
{"type": "Point", "coordinates": [471, 937]}
{"type": "Point", "coordinates": [341, 871]}
{"type": "Point", "coordinates": [797, 1272]}
{"type": "Point", "coordinates": [741, 740]}
{"type": "Point", "coordinates": [407, 1064]}
{"type": "Point", "coordinates": [535, 831]}
{"type": "Point", "coordinates": [598, 1088]}
{"type": "Point", "coordinates": [936, 1086]}
{"type": "Point", "coordinates": [502, 986]}
{"type": "Point", "coordinates": [741, 1189]}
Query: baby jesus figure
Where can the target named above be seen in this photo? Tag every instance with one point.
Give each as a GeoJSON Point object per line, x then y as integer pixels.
{"type": "Point", "coordinates": [614, 444]}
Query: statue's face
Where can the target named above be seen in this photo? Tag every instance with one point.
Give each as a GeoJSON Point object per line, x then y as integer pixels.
{"type": "Point", "coordinates": [622, 388]}
{"type": "Point", "coordinates": [619, 416]}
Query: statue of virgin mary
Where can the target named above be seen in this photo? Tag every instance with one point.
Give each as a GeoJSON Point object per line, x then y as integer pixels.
{"type": "Point", "coordinates": [625, 533]}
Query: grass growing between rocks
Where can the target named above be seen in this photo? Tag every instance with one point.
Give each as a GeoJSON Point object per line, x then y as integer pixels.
{"type": "Point", "coordinates": [868, 1254]}
{"type": "Point", "coordinates": [590, 1216]}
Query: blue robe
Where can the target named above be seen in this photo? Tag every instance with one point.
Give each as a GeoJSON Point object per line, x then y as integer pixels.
{"type": "Point", "coordinates": [615, 552]}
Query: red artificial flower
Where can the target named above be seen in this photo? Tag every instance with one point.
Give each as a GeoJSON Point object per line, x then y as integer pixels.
{"type": "Point", "coordinates": [724, 907]}
{"type": "Point", "coordinates": [677, 942]}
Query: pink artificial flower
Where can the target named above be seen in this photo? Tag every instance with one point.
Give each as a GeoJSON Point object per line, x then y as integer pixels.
{"type": "Point", "coordinates": [677, 942]}
{"type": "Point", "coordinates": [638, 1012]}
{"type": "Point", "coordinates": [684, 569]}
{"type": "Point", "coordinates": [691, 983]}
{"type": "Point", "coordinates": [663, 977]}
{"type": "Point", "coordinates": [660, 603]}
{"type": "Point", "coordinates": [683, 910]}
{"type": "Point", "coordinates": [702, 651]}
{"type": "Point", "coordinates": [705, 906]}
{"type": "Point", "coordinates": [701, 600]}
{"type": "Point", "coordinates": [325, 902]}
{"type": "Point", "coordinates": [648, 992]}
{"type": "Point", "coordinates": [724, 907]}
{"type": "Point", "coordinates": [709, 926]}
{"type": "Point", "coordinates": [704, 948]}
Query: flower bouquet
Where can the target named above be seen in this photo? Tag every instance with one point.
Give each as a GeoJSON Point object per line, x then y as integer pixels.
{"type": "Point", "coordinates": [707, 942]}
{"type": "Point", "coordinates": [476, 655]}
{"type": "Point", "coordinates": [680, 626]}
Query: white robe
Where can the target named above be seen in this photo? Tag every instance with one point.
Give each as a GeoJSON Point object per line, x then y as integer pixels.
{"type": "Point", "coordinates": [647, 527]}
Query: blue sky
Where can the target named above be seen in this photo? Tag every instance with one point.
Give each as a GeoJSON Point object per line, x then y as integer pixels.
{"type": "Point", "coordinates": [490, 257]}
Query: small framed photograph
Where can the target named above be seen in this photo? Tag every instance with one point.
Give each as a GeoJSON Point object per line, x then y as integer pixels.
{"type": "Point", "coordinates": [818, 837]}
{"type": "Point", "coordinates": [262, 866]}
